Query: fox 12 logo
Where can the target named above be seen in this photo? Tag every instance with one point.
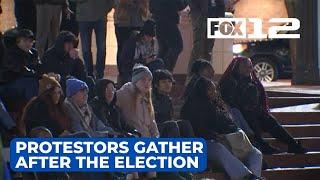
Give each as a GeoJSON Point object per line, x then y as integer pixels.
{"type": "Point", "coordinates": [236, 28]}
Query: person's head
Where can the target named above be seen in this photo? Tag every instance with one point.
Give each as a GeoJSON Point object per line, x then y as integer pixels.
{"type": "Point", "coordinates": [105, 90]}
{"type": "Point", "coordinates": [243, 67]}
{"type": "Point", "coordinates": [78, 91]}
{"type": "Point", "coordinates": [142, 78]}
{"type": "Point", "coordinates": [50, 87]}
{"type": "Point", "coordinates": [25, 39]}
{"type": "Point", "coordinates": [162, 81]}
{"type": "Point", "coordinates": [148, 31]}
{"type": "Point", "coordinates": [67, 40]}
{"type": "Point", "coordinates": [203, 68]}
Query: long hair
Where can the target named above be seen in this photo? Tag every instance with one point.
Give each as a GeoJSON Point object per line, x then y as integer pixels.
{"type": "Point", "coordinates": [56, 111]}
{"type": "Point", "coordinates": [200, 93]}
{"type": "Point", "coordinates": [233, 72]}
{"type": "Point", "coordinates": [147, 97]}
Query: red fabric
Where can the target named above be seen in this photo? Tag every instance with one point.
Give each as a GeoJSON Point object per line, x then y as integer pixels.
{"type": "Point", "coordinates": [231, 71]}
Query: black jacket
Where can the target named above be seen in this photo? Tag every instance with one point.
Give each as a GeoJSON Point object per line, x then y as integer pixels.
{"type": "Point", "coordinates": [58, 61]}
{"type": "Point", "coordinates": [109, 114]}
{"type": "Point", "coordinates": [207, 118]}
{"type": "Point", "coordinates": [163, 107]}
{"type": "Point", "coordinates": [167, 10]}
{"type": "Point", "coordinates": [17, 63]}
{"type": "Point", "coordinates": [241, 93]}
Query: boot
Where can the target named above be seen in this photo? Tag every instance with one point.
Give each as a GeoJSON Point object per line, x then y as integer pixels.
{"type": "Point", "coordinates": [297, 148]}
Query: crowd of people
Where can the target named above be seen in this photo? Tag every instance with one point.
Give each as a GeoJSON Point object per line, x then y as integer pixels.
{"type": "Point", "coordinates": [47, 90]}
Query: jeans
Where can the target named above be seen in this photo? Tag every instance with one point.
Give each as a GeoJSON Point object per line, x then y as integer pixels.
{"type": "Point", "coordinates": [122, 35]}
{"type": "Point", "coordinates": [235, 169]}
{"type": "Point", "coordinates": [241, 122]}
{"type": "Point", "coordinates": [202, 46]}
{"type": "Point", "coordinates": [170, 43]}
{"type": "Point", "coordinates": [48, 26]}
{"type": "Point", "coordinates": [86, 29]}
{"type": "Point", "coordinates": [176, 129]}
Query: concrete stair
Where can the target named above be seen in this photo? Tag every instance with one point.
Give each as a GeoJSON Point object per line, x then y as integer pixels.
{"type": "Point", "coordinates": [303, 125]}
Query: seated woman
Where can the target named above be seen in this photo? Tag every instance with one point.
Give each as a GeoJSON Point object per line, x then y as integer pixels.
{"type": "Point", "coordinates": [228, 146]}
{"type": "Point", "coordinates": [81, 115]}
{"type": "Point", "coordinates": [135, 103]}
{"type": "Point", "coordinates": [105, 108]}
{"type": "Point", "coordinates": [241, 89]}
{"type": "Point", "coordinates": [47, 109]}
{"type": "Point", "coordinates": [163, 108]}
{"type": "Point", "coordinates": [200, 68]}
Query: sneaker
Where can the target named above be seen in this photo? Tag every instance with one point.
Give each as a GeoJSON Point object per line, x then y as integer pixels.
{"type": "Point", "coordinates": [297, 148]}
{"type": "Point", "coordinates": [268, 149]}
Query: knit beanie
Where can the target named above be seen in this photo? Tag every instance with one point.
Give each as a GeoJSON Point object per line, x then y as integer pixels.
{"type": "Point", "coordinates": [75, 85]}
{"type": "Point", "coordinates": [139, 71]}
{"type": "Point", "coordinates": [46, 83]}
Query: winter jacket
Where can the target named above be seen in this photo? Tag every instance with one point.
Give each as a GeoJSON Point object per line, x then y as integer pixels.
{"type": "Point", "coordinates": [57, 61]}
{"type": "Point", "coordinates": [109, 114]}
{"type": "Point", "coordinates": [93, 10]}
{"type": "Point", "coordinates": [163, 108]}
{"type": "Point", "coordinates": [137, 117]}
{"type": "Point", "coordinates": [37, 113]}
{"type": "Point", "coordinates": [130, 13]}
{"type": "Point", "coordinates": [167, 11]}
{"type": "Point", "coordinates": [241, 93]}
{"type": "Point", "coordinates": [18, 63]}
{"type": "Point", "coordinates": [207, 118]}
{"type": "Point", "coordinates": [78, 123]}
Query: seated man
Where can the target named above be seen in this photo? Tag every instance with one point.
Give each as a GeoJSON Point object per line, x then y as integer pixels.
{"type": "Point", "coordinates": [18, 69]}
{"type": "Point", "coordinates": [63, 59]}
{"type": "Point", "coordinates": [81, 115]}
{"type": "Point", "coordinates": [141, 48]}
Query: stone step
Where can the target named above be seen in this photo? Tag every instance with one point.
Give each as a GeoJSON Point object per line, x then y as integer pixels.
{"type": "Point", "coordinates": [277, 102]}
{"type": "Point", "coordinates": [272, 174]}
{"type": "Point", "coordinates": [311, 143]}
{"type": "Point", "coordinates": [293, 160]}
{"type": "Point", "coordinates": [310, 130]}
{"type": "Point", "coordinates": [289, 118]}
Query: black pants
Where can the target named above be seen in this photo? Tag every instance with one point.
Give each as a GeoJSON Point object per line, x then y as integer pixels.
{"type": "Point", "coordinates": [170, 43]}
{"type": "Point", "coordinates": [25, 13]}
{"type": "Point", "coordinates": [70, 24]}
{"type": "Point", "coordinates": [175, 129]}
{"type": "Point", "coordinates": [122, 35]}
{"type": "Point", "coordinates": [262, 122]}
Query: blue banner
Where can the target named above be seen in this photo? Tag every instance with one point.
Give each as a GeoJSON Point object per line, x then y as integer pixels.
{"type": "Point", "coordinates": [108, 154]}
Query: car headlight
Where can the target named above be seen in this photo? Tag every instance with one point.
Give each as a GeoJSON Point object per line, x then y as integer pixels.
{"type": "Point", "coordinates": [239, 48]}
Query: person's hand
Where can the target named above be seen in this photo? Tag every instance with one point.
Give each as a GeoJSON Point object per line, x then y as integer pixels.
{"type": "Point", "coordinates": [68, 12]}
{"type": "Point", "coordinates": [150, 59]}
{"type": "Point", "coordinates": [56, 76]}
{"type": "Point", "coordinates": [65, 133]}
{"type": "Point", "coordinates": [74, 53]}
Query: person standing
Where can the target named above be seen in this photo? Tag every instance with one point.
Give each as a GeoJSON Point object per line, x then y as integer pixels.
{"type": "Point", "coordinates": [25, 13]}
{"type": "Point", "coordinates": [129, 16]}
{"type": "Point", "coordinates": [49, 14]}
{"type": "Point", "coordinates": [166, 15]}
{"type": "Point", "coordinates": [200, 11]}
{"type": "Point", "coordinates": [91, 16]}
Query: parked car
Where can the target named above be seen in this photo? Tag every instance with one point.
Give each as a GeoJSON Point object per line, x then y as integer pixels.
{"type": "Point", "coordinates": [271, 58]}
